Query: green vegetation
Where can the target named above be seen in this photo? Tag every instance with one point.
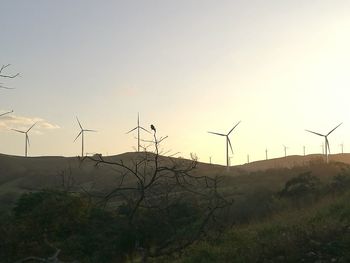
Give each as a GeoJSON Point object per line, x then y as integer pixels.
{"type": "Point", "coordinates": [45, 220]}
{"type": "Point", "coordinates": [312, 225]}
{"type": "Point", "coordinates": [314, 234]}
{"type": "Point", "coordinates": [281, 215]}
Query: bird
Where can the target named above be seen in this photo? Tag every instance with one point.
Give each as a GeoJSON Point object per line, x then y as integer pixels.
{"type": "Point", "coordinates": [153, 128]}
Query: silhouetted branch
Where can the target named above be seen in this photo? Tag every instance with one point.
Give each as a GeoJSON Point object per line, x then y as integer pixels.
{"type": "Point", "coordinates": [6, 75]}
{"type": "Point", "coordinates": [155, 183]}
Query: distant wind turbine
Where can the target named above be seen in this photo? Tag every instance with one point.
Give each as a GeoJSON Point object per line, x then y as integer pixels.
{"type": "Point", "coordinates": [82, 130]}
{"type": "Point", "coordinates": [26, 139]}
{"type": "Point", "coordinates": [248, 161]}
{"type": "Point", "coordinates": [342, 148]}
{"type": "Point", "coordinates": [304, 149]}
{"type": "Point", "coordinates": [326, 145]}
{"type": "Point", "coordinates": [266, 154]}
{"type": "Point", "coordinates": [228, 142]}
{"type": "Point", "coordinates": [138, 127]}
{"type": "Point", "coordinates": [6, 113]}
{"type": "Point", "coordinates": [285, 150]}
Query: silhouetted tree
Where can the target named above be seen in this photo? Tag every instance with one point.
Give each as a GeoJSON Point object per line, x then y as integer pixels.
{"type": "Point", "coordinates": [6, 75]}
{"type": "Point", "coordinates": [166, 206]}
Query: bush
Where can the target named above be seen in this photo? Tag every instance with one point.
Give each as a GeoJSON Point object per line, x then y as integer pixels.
{"type": "Point", "coordinates": [301, 186]}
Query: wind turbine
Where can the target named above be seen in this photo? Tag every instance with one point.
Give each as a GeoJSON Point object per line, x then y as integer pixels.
{"type": "Point", "coordinates": [82, 130]}
{"type": "Point", "coordinates": [6, 113]}
{"type": "Point", "coordinates": [26, 139]}
{"type": "Point", "coordinates": [304, 149]}
{"type": "Point", "coordinates": [228, 142]}
{"type": "Point", "coordinates": [326, 146]}
{"type": "Point", "coordinates": [342, 148]}
{"type": "Point", "coordinates": [285, 150]}
{"type": "Point", "coordinates": [248, 161]}
{"type": "Point", "coordinates": [138, 127]}
{"type": "Point", "coordinates": [266, 154]}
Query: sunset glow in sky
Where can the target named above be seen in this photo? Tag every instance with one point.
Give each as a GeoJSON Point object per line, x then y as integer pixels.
{"type": "Point", "coordinates": [187, 66]}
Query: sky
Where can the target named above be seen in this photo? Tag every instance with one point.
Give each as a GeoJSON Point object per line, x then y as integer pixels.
{"type": "Point", "coordinates": [186, 66]}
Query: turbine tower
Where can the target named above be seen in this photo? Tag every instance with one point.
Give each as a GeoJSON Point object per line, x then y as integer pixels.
{"type": "Point", "coordinates": [326, 145]}
{"type": "Point", "coordinates": [266, 157]}
{"type": "Point", "coordinates": [342, 148]}
{"type": "Point", "coordinates": [26, 143]}
{"type": "Point", "coordinates": [82, 130]}
{"type": "Point", "coordinates": [304, 149]}
{"type": "Point", "coordinates": [228, 142]}
{"type": "Point", "coordinates": [138, 127]}
{"type": "Point", "coordinates": [285, 150]}
{"type": "Point", "coordinates": [6, 113]}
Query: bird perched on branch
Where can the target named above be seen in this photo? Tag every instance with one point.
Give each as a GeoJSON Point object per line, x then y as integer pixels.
{"type": "Point", "coordinates": [153, 128]}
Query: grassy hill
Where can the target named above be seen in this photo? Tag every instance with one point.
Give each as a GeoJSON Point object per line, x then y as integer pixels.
{"type": "Point", "coordinates": [315, 233]}
{"type": "Point", "coordinates": [267, 221]}
{"type": "Point", "coordinates": [19, 174]}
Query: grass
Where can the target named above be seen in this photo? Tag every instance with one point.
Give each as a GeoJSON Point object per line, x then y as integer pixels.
{"type": "Point", "coordinates": [317, 233]}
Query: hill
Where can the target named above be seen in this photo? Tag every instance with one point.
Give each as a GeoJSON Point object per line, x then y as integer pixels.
{"type": "Point", "coordinates": [261, 211]}
{"type": "Point", "coordinates": [20, 174]}
{"type": "Point", "coordinates": [292, 161]}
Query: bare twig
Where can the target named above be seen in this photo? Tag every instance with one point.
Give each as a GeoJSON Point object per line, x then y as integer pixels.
{"type": "Point", "coordinates": [159, 183]}
{"type": "Point", "coordinates": [6, 75]}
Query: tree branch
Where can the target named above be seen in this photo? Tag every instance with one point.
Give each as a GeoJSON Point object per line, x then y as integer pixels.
{"type": "Point", "coordinates": [5, 75]}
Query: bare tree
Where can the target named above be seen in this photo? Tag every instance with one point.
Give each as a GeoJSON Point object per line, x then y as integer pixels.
{"type": "Point", "coordinates": [5, 75]}
{"type": "Point", "coordinates": [154, 186]}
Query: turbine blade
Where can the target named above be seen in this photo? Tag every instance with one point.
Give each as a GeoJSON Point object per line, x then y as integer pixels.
{"type": "Point", "coordinates": [319, 134]}
{"type": "Point", "coordinates": [78, 135]}
{"type": "Point", "coordinates": [217, 133]}
{"type": "Point", "coordinates": [234, 127]}
{"type": "Point", "coordinates": [334, 129]}
{"type": "Point", "coordinates": [229, 142]}
{"type": "Point", "coordinates": [81, 127]}
{"type": "Point", "coordinates": [131, 130]}
{"type": "Point", "coordinates": [18, 131]}
{"type": "Point", "coordinates": [90, 130]}
{"type": "Point", "coordinates": [144, 129]}
{"type": "Point", "coordinates": [31, 127]}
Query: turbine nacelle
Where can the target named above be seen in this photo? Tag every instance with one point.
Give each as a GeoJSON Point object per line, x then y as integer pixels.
{"type": "Point", "coordinates": [228, 141]}
{"type": "Point", "coordinates": [27, 142]}
{"type": "Point", "coordinates": [138, 128]}
{"type": "Point", "coordinates": [325, 136]}
{"type": "Point", "coordinates": [82, 130]}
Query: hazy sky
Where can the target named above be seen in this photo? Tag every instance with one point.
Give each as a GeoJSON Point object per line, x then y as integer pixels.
{"type": "Point", "coordinates": [187, 66]}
